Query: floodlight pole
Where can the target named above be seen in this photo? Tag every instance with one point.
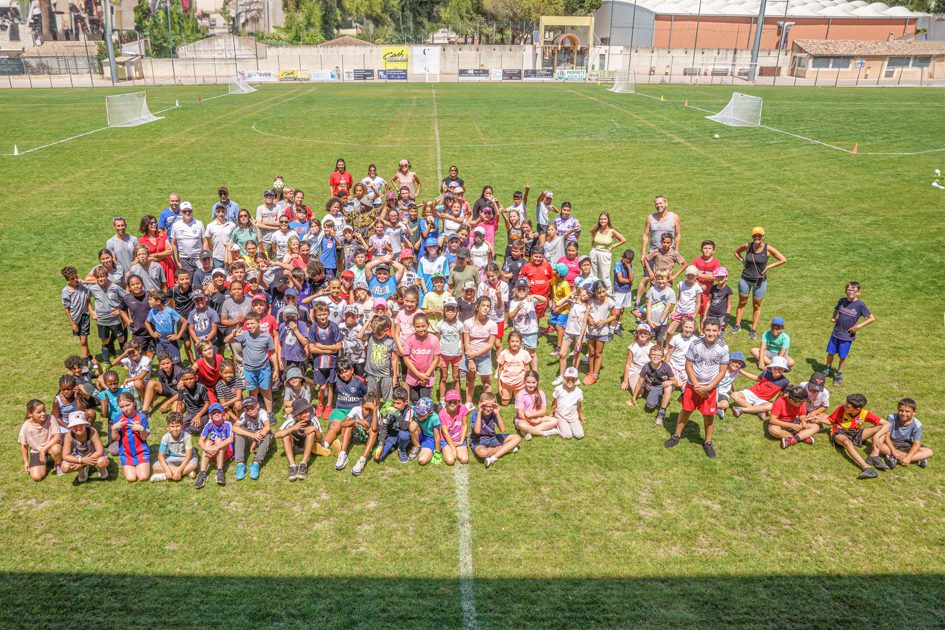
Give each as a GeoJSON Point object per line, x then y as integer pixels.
{"type": "Point", "coordinates": [753, 69]}
{"type": "Point", "coordinates": [610, 36]}
{"type": "Point", "coordinates": [108, 41]}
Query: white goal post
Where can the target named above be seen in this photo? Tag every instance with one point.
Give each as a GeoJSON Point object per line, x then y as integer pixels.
{"type": "Point", "coordinates": [742, 110]}
{"type": "Point", "coordinates": [239, 86]}
{"type": "Point", "coordinates": [624, 85]}
{"type": "Point", "coordinates": [128, 110]}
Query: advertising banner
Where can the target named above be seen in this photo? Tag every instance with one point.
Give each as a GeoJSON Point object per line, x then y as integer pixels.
{"type": "Point", "coordinates": [511, 75]}
{"type": "Point", "coordinates": [473, 74]}
{"type": "Point", "coordinates": [392, 75]}
{"type": "Point", "coordinates": [425, 59]}
{"type": "Point", "coordinates": [362, 75]}
{"type": "Point", "coordinates": [323, 75]}
{"type": "Point", "coordinates": [542, 74]}
{"type": "Point", "coordinates": [570, 74]}
{"type": "Point", "coordinates": [395, 57]}
{"type": "Point", "coordinates": [259, 77]}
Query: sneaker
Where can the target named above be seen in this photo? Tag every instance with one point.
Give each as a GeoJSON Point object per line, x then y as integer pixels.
{"type": "Point", "coordinates": [720, 413]}
{"type": "Point", "coordinates": [618, 331]}
{"type": "Point", "coordinates": [201, 480]}
{"type": "Point", "coordinates": [221, 478]}
{"type": "Point", "coordinates": [359, 466]}
{"type": "Point", "coordinates": [402, 455]}
{"type": "Point", "coordinates": [660, 416]}
{"type": "Point", "coordinates": [527, 437]}
{"type": "Point", "coordinates": [413, 453]}
{"type": "Point", "coordinates": [515, 450]}
{"type": "Point", "coordinates": [786, 442]}
{"type": "Point", "coordinates": [891, 461]}
{"type": "Point", "coordinates": [303, 471]}
{"type": "Point", "coordinates": [83, 475]}
{"type": "Point", "coordinates": [868, 473]}
{"type": "Point", "coordinates": [59, 472]}
{"type": "Point", "coordinates": [752, 334]}
{"type": "Point", "coordinates": [838, 379]}
{"type": "Point", "coordinates": [158, 477]}
{"type": "Point", "coordinates": [240, 471]}
{"type": "Point", "coordinates": [877, 462]}
{"type": "Point", "coordinates": [736, 411]}
{"type": "Point", "coordinates": [551, 433]}
{"type": "Point", "coordinates": [922, 463]}
{"type": "Point", "coordinates": [557, 381]}
{"type": "Point", "coordinates": [734, 329]}
{"type": "Point", "coordinates": [548, 330]}
{"type": "Point", "coordinates": [191, 474]}
{"type": "Point", "coordinates": [293, 472]}
{"type": "Point", "coordinates": [342, 461]}
{"type": "Point", "coordinates": [584, 360]}
{"type": "Point", "coordinates": [672, 441]}
{"type": "Point", "coordinates": [554, 353]}
{"type": "Point", "coordinates": [809, 440]}
{"type": "Point", "coordinates": [103, 473]}
{"type": "Point", "coordinates": [709, 449]}
{"type": "Point", "coordinates": [590, 379]}
{"type": "Point", "coordinates": [491, 460]}
{"type": "Point", "coordinates": [763, 416]}
{"type": "Point", "coordinates": [254, 470]}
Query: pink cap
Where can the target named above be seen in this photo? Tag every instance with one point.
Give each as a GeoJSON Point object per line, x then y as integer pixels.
{"type": "Point", "coordinates": [451, 395]}
{"type": "Point", "coordinates": [380, 302]}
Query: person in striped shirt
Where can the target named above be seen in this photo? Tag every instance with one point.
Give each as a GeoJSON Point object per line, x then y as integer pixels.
{"type": "Point", "coordinates": [130, 429]}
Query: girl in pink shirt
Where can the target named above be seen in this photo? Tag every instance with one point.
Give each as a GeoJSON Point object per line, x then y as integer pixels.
{"type": "Point", "coordinates": [514, 363]}
{"type": "Point", "coordinates": [454, 427]}
{"type": "Point", "coordinates": [531, 409]}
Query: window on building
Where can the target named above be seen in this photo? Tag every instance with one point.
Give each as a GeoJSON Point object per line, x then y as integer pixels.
{"type": "Point", "coordinates": [897, 62]}
{"type": "Point", "coordinates": [921, 62]}
{"type": "Point", "coordinates": [835, 63]}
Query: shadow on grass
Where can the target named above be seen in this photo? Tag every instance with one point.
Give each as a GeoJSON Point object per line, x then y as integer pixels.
{"type": "Point", "coordinates": [108, 600]}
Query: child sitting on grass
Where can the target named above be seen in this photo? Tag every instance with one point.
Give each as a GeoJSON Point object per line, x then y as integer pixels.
{"type": "Point", "coordinates": [774, 342]}
{"type": "Point", "coordinates": [216, 442]}
{"type": "Point", "coordinates": [757, 398]}
{"type": "Point", "coordinates": [138, 365]}
{"type": "Point", "coordinates": [165, 385]}
{"type": "Point", "coordinates": [82, 449]}
{"type": "Point", "coordinates": [424, 432]}
{"type": "Point", "coordinates": [847, 433]}
{"type": "Point", "coordinates": [40, 440]}
{"type": "Point", "coordinates": [656, 381]}
{"type": "Point", "coordinates": [736, 368]}
{"type": "Point", "coordinates": [299, 434]}
{"type": "Point", "coordinates": [176, 455]}
{"type": "Point", "coordinates": [253, 436]}
{"type": "Point", "coordinates": [903, 442]}
{"type": "Point", "coordinates": [130, 430]}
{"type": "Point", "coordinates": [531, 410]}
{"type": "Point", "coordinates": [489, 440]}
{"type": "Point", "coordinates": [454, 427]}
{"type": "Point", "coordinates": [394, 427]}
{"type": "Point", "coordinates": [789, 421]}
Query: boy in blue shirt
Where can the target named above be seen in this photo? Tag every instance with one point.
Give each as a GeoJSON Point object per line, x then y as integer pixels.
{"type": "Point", "coordinates": [216, 442]}
{"type": "Point", "coordinates": [328, 248]}
{"type": "Point", "coordinates": [162, 325]}
{"type": "Point", "coordinates": [903, 443]}
{"type": "Point", "coordinates": [846, 316]}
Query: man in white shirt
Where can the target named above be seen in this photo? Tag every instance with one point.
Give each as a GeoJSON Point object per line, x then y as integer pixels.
{"type": "Point", "coordinates": [122, 245]}
{"type": "Point", "coordinates": [267, 218]}
{"type": "Point", "coordinates": [187, 238]}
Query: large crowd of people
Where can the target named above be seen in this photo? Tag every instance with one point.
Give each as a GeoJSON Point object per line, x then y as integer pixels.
{"type": "Point", "coordinates": [393, 319]}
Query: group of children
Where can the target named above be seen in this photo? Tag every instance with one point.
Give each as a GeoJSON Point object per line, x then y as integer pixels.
{"type": "Point", "coordinates": [409, 306]}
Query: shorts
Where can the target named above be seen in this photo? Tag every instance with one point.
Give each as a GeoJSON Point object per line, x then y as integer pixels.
{"type": "Point", "coordinates": [601, 338]}
{"type": "Point", "coordinates": [530, 341]}
{"type": "Point", "coordinates": [839, 347]}
{"type": "Point", "coordinates": [170, 347]}
{"type": "Point", "coordinates": [112, 331]}
{"type": "Point", "coordinates": [143, 339]}
{"type": "Point", "coordinates": [653, 395]}
{"type": "Point", "coordinates": [298, 442]}
{"type": "Point", "coordinates": [682, 378]}
{"type": "Point", "coordinates": [84, 324]}
{"type": "Point", "coordinates": [338, 414]}
{"type": "Point", "coordinates": [260, 378]}
{"type": "Point", "coordinates": [693, 402]}
{"type": "Point", "coordinates": [678, 317]}
{"type": "Point", "coordinates": [418, 391]}
{"type": "Point", "coordinates": [756, 289]}
{"type": "Point", "coordinates": [444, 360]}
{"type": "Point", "coordinates": [165, 390]}
{"type": "Point", "coordinates": [383, 386]}
{"type": "Point", "coordinates": [500, 329]}
{"type": "Point", "coordinates": [322, 376]}
{"type": "Point", "coordinates": [572, 338]}
{"type": "Point", "coordinates": [483, 365]}
{"type": "Point", "coordinates": [540, 309]}
{"type": "Point", "coordinates": [489, 441]}
{"type": "Point", "coordinates": [194, 430]}
{"type": "Point", "coordinates": [177, 461]}
{"type": "Point", "coordinates": [904, 445]}
{"type": "Point", "coordinates": [427, 442]}
{"type": "Point", "coordinates": [35, 461]}
{"type": "Point", "coordinates": [855, 436]}
{"type": "Point", "coordinates": [752, 398]}
{"type": "Point", "coordinates": [623, 300]}
{"type": "Point", "coordinates": [704, 299]}
{"type": "Point", "coordinates": [558, 319]}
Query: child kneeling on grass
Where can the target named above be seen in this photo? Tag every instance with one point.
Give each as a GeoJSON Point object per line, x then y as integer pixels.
{"type": "Point", "coordinates": [40, 439]}
{"type": "Point", "coordinates": [82, 448]}
{"type": "Point", "coordinates": [789, 421]}
{"type": "Point", "coordinates": [394, 427]}
{"type": "Point", "coordinates": [300, 434]}
{"type": "Point", "coordinates": [454, 427]}
{"type": "Point", "coordinates": [176, 455]}
{"type": "Point", "coordinates": [216, 442]}
{"type": "Point", "coordinates": [903, 443]}
{"type": "Point", "coordinates": [847, 433]}
{"type": "Point", "coordinates": [425, 432]}
{"type": "Point", "coordinates": [130, 429]}
{"type": "Point", "coordinates": [489, 440]}
{"type": "Point", "coordinates": [253, 437]}
{"type": "Point", "coordinates": [656, 381]}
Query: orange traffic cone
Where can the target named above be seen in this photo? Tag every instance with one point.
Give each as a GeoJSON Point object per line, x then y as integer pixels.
{"type": "Point", "coordinates": [200, 99]}
{"type": "Point", "coordinates": [686, 104]}
{"type": "Point", "coordinates": [856, 146]}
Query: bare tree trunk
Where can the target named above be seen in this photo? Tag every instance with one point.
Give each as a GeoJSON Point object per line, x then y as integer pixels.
{"type": "Point", "coordinates": [46, 13]}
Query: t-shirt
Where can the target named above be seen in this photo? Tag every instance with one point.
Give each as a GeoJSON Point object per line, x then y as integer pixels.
{"type": "Point", "coordinates": [329, 335]}
{"type": "Point", "coordinates": [783, 409]}
{"type": "Point", "coordinates": [776, 344]}
{"type": "Point", "coordinates": [340, 181]}
{"type": "Point", "coordinates": [152, 278]}
{"type": "Point", "coordinates": [132, 446]}
{"type": "Point", "coordinates": [567, 403]}
{"type": "Point", "coordinates": [427, 424]}
{"type": "Point", "coordinates": [164, 321]}
{"type": "Point", "coordinates": [36, 435]}
{"type": "Point", "coordinates": [422, 353]}
{"type": "Point", "coordinates": [219, 235]}
{"type": "Point", "coordinates": [900, 432]}
{"type": "Point", "coordinates": [250, 423]}
{"type": "Point", "coordinates": [627, 272]}
{"type": "Point", "coordinates": [350, 393]}
{"type": "Point", "coordinates": [848, 313]}
{"type": "Point", "coordinates": [139, 367]}
{"type": "Point", "coordinates": [111, 399]}
{"type": "Point", "coordinates": [576, 317]}
{"type": "Point", "coordinates": [217, 432]}
{"type": "Point", "coordinates": [680, 346]}
{"type": "Point", "coordinates": [479, 334]}
{"type": "Point", "coordinates": [511, 268]}
{"type": "Point", "coordinates": [269, 215]}
{"type": "Point", "coordinates": [458, 277]}
{"type": "Point", "coordinates": [451, 342]}
{"type": "Point", "coordinates": [815, 400]}
{"type": "Point", "coordinates": [175, 449]}
{"type": "Point", "coordinates": [256, 349]}
{"type": "Point", "coordinates": [280, 240]}
{"type": "Point", "coordinates": [768, 386]}
{"type": "Point", "coordinates": [193, 399]}
{"type": "Point", "coordinates": [660, 299]}
{"type": "Point", "coordinates": [433, 301]}
{"type": "Point", "coordinates": [525, 320]}
{"type": "Point", "coordinates": [188, 237]}
{"type": "Point", "coordinates": [76, 300]}
{"type": "Point", "coordinates": [123, 249]}
{"type": "Point", "coordinates": [453, 425]}
{"type": "Point", "coordinates": [688, 296]}
{"type": "Point", "coordinates": [106, 300]}
{"type": "Point", "coordinates": [513, 366]}
{"type": "Point", "coordinates": [571, 223]}
{"type": "Point", "coordinates": [228, 391]}
{"type": "Point", "coordinates": [707, 359]}
{"type": "Point", "coordinates": [354, 349]}
{"type": "Point", "coordinates": [663, 262]}
{"type": "Point", "coordinates": [183, 300]}
{"type": "Point", "coordinates": [555, 248]}
{"type": "Point", "coordinates": [538, 276]}
{"type": "Point", "coordinates": [404, 322]}
{"type": "Point", "coordinates": [706, 266]}
{"type": "Point", "coordinates": [841, 420]}
{"type": "Point", "coordinates": [560, 289]}
{"type": "Point", "coordinates": [640, 356]}
{"type": "Point", "coordinates": [718, 301]}
{"type": "Point", "coordinates": [529, 402]}
{"type": "Point", "coordinates": [378, 356]}
{"type": "Point", "coordinates": [497, 312]}
{"type": "Point", "coordinates": [599, 311]}
{"type": "Point", "coordinates": [170, 380]}
{"type": "Point", "coordinates": [336, 310]}
{"type": "Point", "coordinates": [202, 321]}
{"type": "Point", "coordinates": [654, 377]}
{"type": "Point", "coordinates": [479, 255]}
{"type": "Point", "coordinates": [208, 372]}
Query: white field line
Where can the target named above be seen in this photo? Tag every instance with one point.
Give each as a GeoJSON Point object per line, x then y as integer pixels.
{"type": "Point", "coordinates": [467, 595]}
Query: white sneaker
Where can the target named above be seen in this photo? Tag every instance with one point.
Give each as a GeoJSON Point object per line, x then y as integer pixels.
{"type": "Point", "coordinates": [59, 472]}
{"type": "Point", "coordinates": [515, 450]}
{"type": "Point", "coordinates": [342, 461]}
{"type": "Point", "coordinates": [527, 437]}
{"type": "Point", "coordinates": [103, 473]}
{"type": "Point", "coordinates": [554, 352]}
{"type": "Point", "coordinates": [584, 360]}
{"type": "Point", "coordinates": [557, 381]}
{"type": "Point", "coordinates": [158, 477]}
{"type": "Point", "coordinates": [192, 474]}
{"type": "Point", "coordinates": [491, 460]}
{"type": "Point", "coordinates": [83, 475]}
{"type": "Point", "coordinates": [359, 466]}
{"type": "Point", "coordinates": [551, 433]}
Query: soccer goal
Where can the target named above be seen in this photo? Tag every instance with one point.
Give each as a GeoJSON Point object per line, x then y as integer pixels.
{"type": "Point", "coordinates": [431, 77]}
{"type": "Point", "coordinates": [128, 110]}
{"type": "Point", "coordinates": [239, 86]}
{"type": "Point", "coordinates": [742, 111]}
{"type": "Point", "coordinates": [624, 85]}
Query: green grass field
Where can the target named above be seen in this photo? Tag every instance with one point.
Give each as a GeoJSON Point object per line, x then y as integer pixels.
{"type": "Point", "coordinates": [611, 531]}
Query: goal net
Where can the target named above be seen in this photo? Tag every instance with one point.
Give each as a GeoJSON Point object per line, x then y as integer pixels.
{"type": "Point", "coordinates": [239, 86]}
{"type": "Point", "coordinates": [742, 111]}
{"type": "Point", "coordinates": [432, 77]}
{"type": "Point", "coordinates": [624, 85]}
{"type": "Point", "coordinates": [128, 110]}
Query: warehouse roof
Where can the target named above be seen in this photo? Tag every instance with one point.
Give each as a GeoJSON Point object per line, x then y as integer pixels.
{"type": "Point", "coordinates": [776, 8]}
{"type": "Point", "coordinates": [855, 48]}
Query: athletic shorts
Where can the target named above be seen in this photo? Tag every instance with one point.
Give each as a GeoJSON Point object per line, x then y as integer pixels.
{"type": "Point", "coordinates": [483, 365]}
{"type": "Point", "coordinates": [904, 446]}
{"type": "Point", "coordinates": [681, 377]}
{"type": "Point", "coordinates": [693, 402]}
{"type": "Point", "coordinates": [177, 461]}
{"type": "Point", "coordinates": [444, 360]}
{"type": "Point", "coordinates": [601, 338]}
{"type": "Point", "coordinates": [417, 392]}
{"type": "Point", "coordinates": [427, 442]}
{"type": "Point", "coordinates": [752, 398]}
{"type": "Point", "coordinates": [489, 441]}
{"type": "Point", "coordinates": [855, 436]}
{"type": "Point", "coordinates": [322, 376]}
{"type": "Point", "coordinates": [113, 331]}
{"type": "Point", "coordinates": [678, 317]}
{"type": "Point", "coordinates": [839, 347]}
{"type": "Point", "coordinates": [653, 395]}
{"type": "Point", "coordinates": [572, 338]}
{"type": "Point", "coordinates": [84, 324]}
{"type": "Point", "coordinates": [530, 341]}
{"type": "Point", "coordinates": [704, 299]}
{"type": "Point", "coordinates": [558, 319]}
{"type": "Point", "coordinates": [35, 461]}
{"type": "Point", "coordinates": [261, 378]}
{"type": "Point", "coordinates": [756, 289]}
{"type": "Point", "coordinates": [623, 300]}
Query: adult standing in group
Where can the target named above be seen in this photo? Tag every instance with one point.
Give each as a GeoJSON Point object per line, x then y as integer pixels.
{"type": "Point", "coordinates": [461, 271]}
{"type": "Point", "coordinates": [267, 219]}
{"type": "Point", "coordinates": [406, 177]}
{"type": "Point", "coordinates": [340, 179]}
{"type": "Point", "coordinates": [604, 240]}
{"type": "Point", "coordinates": [451, 180]}
{"type": "Point", "coordinates": [486, 200]}
{"type": "Point", "coordinates": [660, 221]}
{"type": "Point", "coordinates": [171, 213]}
{"type": "Point", "coordinates": [232, 208]}
{"type": "Point", "coordinates": [298, 207]}
{"type": "Point", "coordinates": [754, 257]}
{"type": "Point", "coordinates": [217, 236]}
{"type": "Point", "coordinates": [375, 185]}
{"type": "Point", "coordinates": [539, 273]}
{"type": "Point", "coordinates": [187, 239]}
{"type": "Point", "coordinates": [159, 247]}
{"type": "Point", "coordinates": [122, 245]}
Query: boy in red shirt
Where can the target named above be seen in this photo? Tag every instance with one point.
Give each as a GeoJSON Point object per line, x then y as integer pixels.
{"type": "Point", "coordinates": [847, 432]}
{"type": "Point", "coordinates": [756, 399]}
{"type": "Point", "coordinates": [706, 264]}
{"type": "Point", "coordinates": [789, 422]}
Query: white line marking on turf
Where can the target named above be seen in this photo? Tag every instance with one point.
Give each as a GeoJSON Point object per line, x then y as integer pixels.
{"type": "Point", "coordinates": [460, 474]}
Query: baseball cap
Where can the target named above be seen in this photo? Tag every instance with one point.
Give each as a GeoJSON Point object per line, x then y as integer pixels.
{"type": "Point", "coordinates": [423, 407]}
{"type": "Point", "coordinates": [269, 193]}
{"type": "Point", "coordinates": [186, 205]}
{"type": "Point", "coordinates": [449, 302]}
{"type": "Point", "coordinates": [76, 418]}
{"type": "Point", "coordinates": [561, 269]}
{"type": "Point", "coordinates": [778, 321]}
{"type": "Point", "coordinates": [252, 273]}
{"type": "Point", "coordinates": [479, 230]}
{"type": "Point", "coordinates": [469, 284]}
{"type": "Point", "coordinates": [721, 272]}
{"type": "Point", "coordinates": [361, 284]}
{"type": "Point", "coordinates": [347, 273]}
{"type": "Point", "coordinates": [521, 283]}
{"type": "Point", "coordinates": [223, 189]}
{"type": "Point", "coordinates": [351, 309]}
{"type": "Point", "coordinates": [206, 253]}
{"type": "Point", "coordinates": [571, 372]}
{"type": "Point", "coordinates": [300, 405]}
{"type": "Point", "coordinates": [218, 272]}
{"type": "Point", "coordinates": [198, 294]}
{"type": "Point", "coordinates": [383, 267]}
{"type": "Point", "coordinates": [462, 252]}
{"type": "Point", "coordinates": [737, 356]}
{"type": "Point", "coordinates": [583, 258]}
{"type": "Point", "coordinates": [439, 275]}
{"type": "Point", "coordinates": [406, 253]}
{"type": "Point", "coordinates": [347, 228]}
{"type": "Point", "coordinates": [262, 297]}
{"type": "Point", "coordinates": [216, 407]}
{"type": "Point", "coordinates": [291, 292]}
{"type": "Point", "coordinates": [289, 309]}
{"type": "Point", "coordinates": [757, 230]}
{"type": "Point", "coordinates": [293, 372]}
{"type": "Point", "coordinates": [452, 394]}
{"type": "Point", "coordinates": [391, 195]}
{"type": "Point", "coordinates": [431, 241]}
{"type": "Point", "coordinates": [380, 303]}
{"type": "Point", "coordinates": [816, 382]}
{"type": "Point", "coordinates": [250, 401]}
{"type": "Point", "coordinates": [779, 362]}
{"type": "Point", "coordinates": [692, 270]}
{"type": "Point", "coordinates": [643, 328]}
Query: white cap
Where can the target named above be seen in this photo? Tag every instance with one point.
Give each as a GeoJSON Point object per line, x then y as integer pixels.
{"type": "Point", "coordinates": [692, 270]}
{"type": "Point", "coordinates": [76, 418]}
{"type": "Point", "coordinates": [550, 194]}
{"type": "Point", "coordinates": [571, 372]}
{"type": "Point", "coordinates": [480, 230]}
{"type": "Point", "coordinates": [185, 205]}
{"type": "Point", "coordinates": [779, 362]}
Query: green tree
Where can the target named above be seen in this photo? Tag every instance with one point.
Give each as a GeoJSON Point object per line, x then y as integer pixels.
{"type": "Point", "coordinates": [184, 28]}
